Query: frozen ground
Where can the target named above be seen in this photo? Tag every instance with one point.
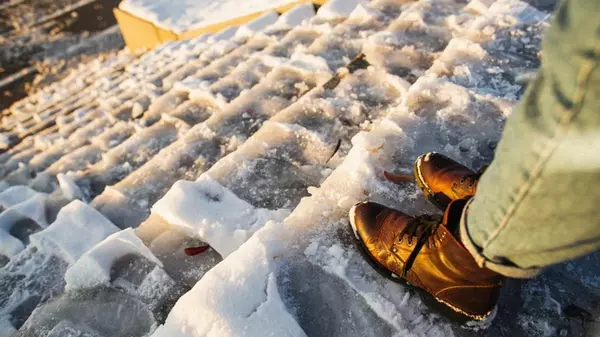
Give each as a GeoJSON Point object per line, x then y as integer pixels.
{"type": "Point", "coordinates": [203, 188]}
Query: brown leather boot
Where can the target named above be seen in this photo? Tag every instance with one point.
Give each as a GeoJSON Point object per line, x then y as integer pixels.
{"type": "Point", "coordinates": [443, 180]}
{"type": "Point", "coordinates": [424, 252]}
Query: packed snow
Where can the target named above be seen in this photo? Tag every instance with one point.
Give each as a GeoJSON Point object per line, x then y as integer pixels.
{"type": "Point", "coordinates": [185, 15]}
{"type": "Point", "coordinates": [94, 267]}
{"type": "Point", "coordinates": [73, 223]}
{"type": "Point", "coordinates": [202, 189]}
{"type": "Point", "coordinates": [296, 16]}
{"type": "Point", "coordinates": [225, 207]}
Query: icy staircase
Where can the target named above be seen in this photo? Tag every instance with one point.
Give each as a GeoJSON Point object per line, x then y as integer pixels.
{"type": "Point", "coordinates": [276, 151]}
{"type": "Point", "coordinates": [290, 75]}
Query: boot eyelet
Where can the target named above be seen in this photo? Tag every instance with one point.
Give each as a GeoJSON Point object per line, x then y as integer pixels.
{"type": "Point", "coordinates": [409, 242]}
{"type": "Point", "coordinates": [394, 249]}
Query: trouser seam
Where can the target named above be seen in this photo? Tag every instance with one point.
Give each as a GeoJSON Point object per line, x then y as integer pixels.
{"type": "Point", "coordinates": [564, 123]}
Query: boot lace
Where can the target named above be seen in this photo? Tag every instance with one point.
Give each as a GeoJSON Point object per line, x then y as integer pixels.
{"type": "Point", "coordinates": [421, 229]}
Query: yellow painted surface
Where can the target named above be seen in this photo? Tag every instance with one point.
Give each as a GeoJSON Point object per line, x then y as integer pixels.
{"type": "Point", "coordinates": [285, 8]}
{"type": "Point", "coordinates": [141, 35]}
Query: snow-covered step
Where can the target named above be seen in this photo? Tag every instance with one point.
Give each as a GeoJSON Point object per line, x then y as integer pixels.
{"type": "Point", "coordinates": [83, 157]}
{"type": "Point", "coordinates": [136, 105]}
{"type": "Point", "coordinates": [57, 136]}
{"type": "Point", "coordinates": [129, 155]}
{"type": "Point", "coordinates": [186, 70]}
{"type": "Point", "coordinates": [48, 156]}
{"type": "Point", "coordinates": [78, 115]}
{"type": "Point", "coordinates": [249, 73]}
{"type": "Point", "coordinates": [222, 66]}
{"type": "Point", "coordinates": [110, 89]}
{"type": "Point", "coordinates": [69, 116]}
{"type": "Point", "coordinates": [261, 28]}
{"type": "Point", "coordinates": [93, 313]}
{"type": "Point", "coordinates": [218, 49]}
{"type": "Point", "coordinates": [208, 50]}
{"type": "Point", "coordinates": [148, 64]}
{"type": "Point", "coordinates": [161, 105]}
{"type": "Point", "coordinates": [166, 55]}
{"type": "Point", "coordinates": [24, 151]}
{"type": "Point", "coordinates": [25, 212]}
{"type": "Point", "coordinates": [414, 40]}
{"type": "Point", "coordinates": [191, 112]}
{"type": "Point", "coordinates": [77, 81]}
{"type": "Point", "coordinates": [67, 108]}
{"type": "Point", "coordinates": [114, 261]}
{"type": "Point", "coordinates": [346, 40]}
{"type": "Point", "coordinates": [163, 64]}
{"type": "Point", "coordinates": [50, 120]}
{"type": "Point", "coordinates": [127, 202]}
{"type": "Point", "coordinates": [79, 118]}
{"type": "Point", "coordinates": [500, 65]}
{"type": "Point", "coordinates": [22, 215]}
{"type": "Point", "coordinates": [109, 85]}
{"type": "Point", "coordinates": [36, 274]}
{"type": "Point", "coordinates": [15, 161]}
{"type": "Point", "coordinates": [118, 98]}
{"type": "Point", "coordinates": [215, 62]}
{"type": "Point", "coordinates": [26, 144]}
{"type": "Point", "coordinates": [57, 102]}
{"type": "Point", "coordinates": [125, 93]}
{"type": "Point", "coordinates": [34, 144]}
{"type": "Point", "coordinates": [23, 145]}
{"type": "Point", "coordinates": [79, 137]}
{"type": "Point", "coordinates": [118, 274]}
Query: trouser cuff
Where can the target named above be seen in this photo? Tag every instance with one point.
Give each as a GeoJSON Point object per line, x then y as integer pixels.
{"type": "Point", "coordinates": [506, 269]}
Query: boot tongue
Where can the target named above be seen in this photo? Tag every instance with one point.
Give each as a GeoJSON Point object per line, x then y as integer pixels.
{"type": "Point", "coordinates": [453, 215]}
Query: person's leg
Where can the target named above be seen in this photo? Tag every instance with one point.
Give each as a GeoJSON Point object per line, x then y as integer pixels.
{"type": "Point", "coordinates": [539, 201]}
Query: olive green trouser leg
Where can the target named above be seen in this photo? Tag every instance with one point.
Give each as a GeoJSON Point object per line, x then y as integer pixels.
{"type": "Point", "coordinates": [539, 201]}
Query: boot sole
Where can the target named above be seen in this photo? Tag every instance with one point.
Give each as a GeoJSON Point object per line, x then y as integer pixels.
{"type": "Point", "coordinates": [446, 309]}
{"type": "Point", "coordinates": [431, 196]}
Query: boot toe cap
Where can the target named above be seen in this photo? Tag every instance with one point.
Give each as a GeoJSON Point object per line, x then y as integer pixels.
{"type": "Point", "coordinates": [363, 219]}
{"type": "Point", "coordinates": [432, 162]}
